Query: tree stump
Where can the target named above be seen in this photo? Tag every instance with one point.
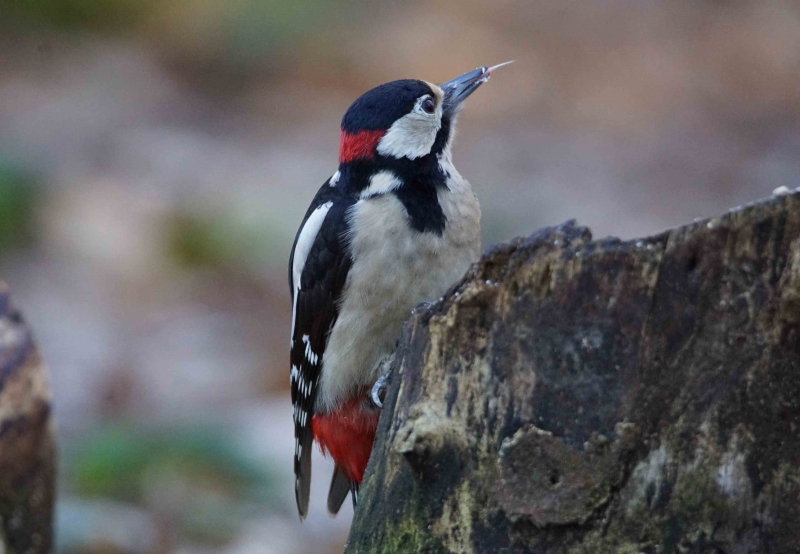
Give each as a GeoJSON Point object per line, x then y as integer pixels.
{"type": "Point", "coordinates": [585, 396]}
{"type": "Point", "coordinates": [27, 451]}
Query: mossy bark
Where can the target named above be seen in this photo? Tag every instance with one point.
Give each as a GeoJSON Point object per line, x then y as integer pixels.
{"type": "Point", "coordinates": [580, 396]}
{"type": "Point", "coordinates": [27, 453]}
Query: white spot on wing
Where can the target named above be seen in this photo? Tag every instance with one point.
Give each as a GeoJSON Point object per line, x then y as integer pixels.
{"type": "Point", "coordinates": [310, 355]}
{"type": "Point", "coordinates": [303, 386]}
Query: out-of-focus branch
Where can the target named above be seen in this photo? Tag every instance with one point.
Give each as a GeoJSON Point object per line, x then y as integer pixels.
{"type": "Point", "coordinates": [27, 451]}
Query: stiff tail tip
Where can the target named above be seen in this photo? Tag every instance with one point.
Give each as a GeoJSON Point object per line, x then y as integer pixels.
{"type": "Point", "coordinates": [302, 475]}
{"type": "Point", "coordinates": [340, 486]}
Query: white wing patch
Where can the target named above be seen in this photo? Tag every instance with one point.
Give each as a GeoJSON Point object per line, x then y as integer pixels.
{"type": "Point", "coordinates": [303, 247]}
{"type": "Point", "coordinates": [381, 183]}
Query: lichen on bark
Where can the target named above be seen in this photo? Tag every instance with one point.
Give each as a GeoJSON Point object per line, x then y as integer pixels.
{"type": "Point", "coordinates": [573, 395]}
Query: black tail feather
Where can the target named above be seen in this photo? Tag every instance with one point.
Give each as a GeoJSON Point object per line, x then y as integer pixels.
{"type": "Point", "coordinates": [302, 471]}
{"type": "Point", "coordinates": [340, 486]}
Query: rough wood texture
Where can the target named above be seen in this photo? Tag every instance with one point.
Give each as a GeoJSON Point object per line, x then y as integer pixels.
{"type": "Point", "coordinates": [27, 454]}
{"type": "Point", "coordinates": [580, 396]}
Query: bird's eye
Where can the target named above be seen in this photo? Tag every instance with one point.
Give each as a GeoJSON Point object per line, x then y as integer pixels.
{"type": "Point", "coordinates": [428, 105]}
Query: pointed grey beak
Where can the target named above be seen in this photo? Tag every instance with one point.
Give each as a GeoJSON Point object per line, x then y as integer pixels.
{"type": "Point", "coordinates": [457, 90]}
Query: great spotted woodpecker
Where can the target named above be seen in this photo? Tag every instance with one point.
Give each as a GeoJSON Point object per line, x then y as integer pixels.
{"type": "Point", "coordinates": [394, 226]}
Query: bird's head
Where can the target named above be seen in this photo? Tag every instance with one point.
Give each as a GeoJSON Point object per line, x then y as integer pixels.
{"type": "Point", "coordinates": [406, 119]}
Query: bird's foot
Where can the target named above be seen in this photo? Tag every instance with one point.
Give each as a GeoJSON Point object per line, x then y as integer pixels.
{"type": "Point", "coordinates": [421, 307]}
{"type": "Point", "coordinates": [378, 393]}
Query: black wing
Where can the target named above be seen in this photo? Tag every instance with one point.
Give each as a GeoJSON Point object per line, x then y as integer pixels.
{"type": "Point", "coordinates": [315, 309]}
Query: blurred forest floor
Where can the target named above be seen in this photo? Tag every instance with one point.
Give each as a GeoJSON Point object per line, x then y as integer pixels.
{"type": "Point", "coordinates": [156, 158]}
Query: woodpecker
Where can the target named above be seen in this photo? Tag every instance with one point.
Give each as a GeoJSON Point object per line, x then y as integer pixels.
{"type": "Point", "coordinates": [394, 226]}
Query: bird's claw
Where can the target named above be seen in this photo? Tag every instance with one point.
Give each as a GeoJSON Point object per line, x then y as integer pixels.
{"type": "Point", "coordinates": [421, 307]}
{"type": "Point", "coordinates": [378, 394]}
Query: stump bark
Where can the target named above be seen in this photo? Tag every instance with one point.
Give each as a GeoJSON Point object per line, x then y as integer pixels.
{"type": "Point", "coordinates": [585, 396]}
{"type": "Point", "coordinates": [27, 453]}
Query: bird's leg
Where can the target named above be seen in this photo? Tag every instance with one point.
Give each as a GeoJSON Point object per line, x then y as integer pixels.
{"type": "Point", "coordinates": [378, 393]}
{"type": "Point", "coordinates": [384, 366]}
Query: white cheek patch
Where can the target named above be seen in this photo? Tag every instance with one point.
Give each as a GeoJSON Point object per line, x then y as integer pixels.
{"type": "Point", "coordinates": [413, 135]}
{"type": "Point", "coordinates": [304, 242]}
{"type": "Point", "coordinates": [381, 183]}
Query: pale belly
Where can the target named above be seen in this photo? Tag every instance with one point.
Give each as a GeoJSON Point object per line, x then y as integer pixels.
{"type": "Point", "coordinates": [395, 269]}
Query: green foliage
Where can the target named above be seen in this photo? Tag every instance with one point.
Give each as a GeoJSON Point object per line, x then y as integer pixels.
{"type": "Point", "coordinates": [19, 195]}
{"type": "Point", "coordinates": [113, 461]}
{"type": "Point", "coordinates": [196, 241]}
{"type": "Point", "coordinates": [216, 483]}
{"type": "Point", "coordinates": [246, 26]}
{"type": "Point", "coordinates": [93, 14]}
{"type": "Point", "coordinates": [226, 241]}
{"type": "Point", "coordinates": [255, 26]}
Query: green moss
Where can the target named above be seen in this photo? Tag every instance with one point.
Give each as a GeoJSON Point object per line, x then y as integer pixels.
{"type": "Point", "coordinates": [698, 506]}
{"type": "Point", "coordinates": [695, 510]}
{"type": "Point", "coordinates": [401, 532]}
{"type": "Point", "coordinates": [409, 534]}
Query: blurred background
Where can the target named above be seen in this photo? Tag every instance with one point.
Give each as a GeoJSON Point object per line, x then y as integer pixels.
{"type": "Point", "coordinates": [157, 156]}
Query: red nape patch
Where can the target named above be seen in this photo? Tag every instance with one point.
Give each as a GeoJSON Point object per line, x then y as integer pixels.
{"type": "Point", "coordinates": [347, 436]}
{"type": "Point", "coordinates": [358, 146]}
